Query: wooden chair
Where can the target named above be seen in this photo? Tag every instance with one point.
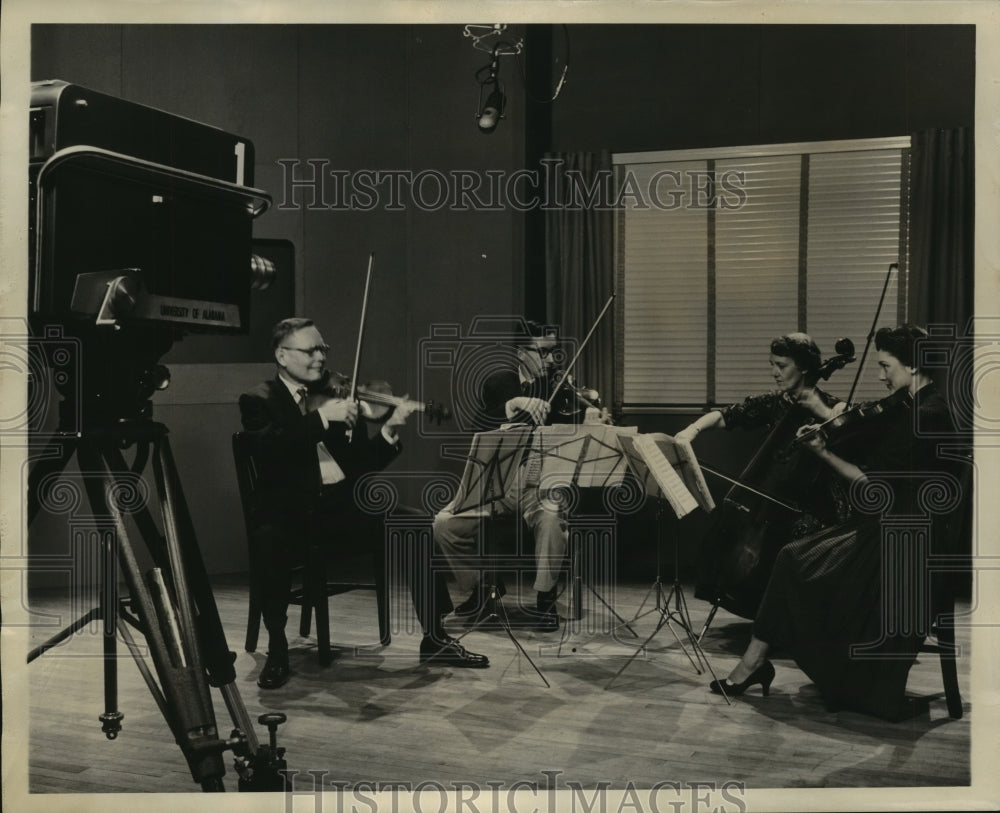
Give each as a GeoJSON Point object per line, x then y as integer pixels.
{"type": "Point", "coordinates": [315, 589]}
{"type": "Point", "coordinates": [943, 633]}
{"type": "Point", "coordinates": [952, 534]}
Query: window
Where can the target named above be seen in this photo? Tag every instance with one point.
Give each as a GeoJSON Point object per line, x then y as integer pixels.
{"type": "Point", "coordinates": [719, 251]}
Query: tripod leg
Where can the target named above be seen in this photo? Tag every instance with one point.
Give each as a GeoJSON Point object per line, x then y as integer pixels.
{"type": "Point", "coordinates": [218, 659]}
{"type": "Point", "coordinates": [191, 719]}
{"type": "Point", "coordinates": [111, 719]}
{"type": "Point", "coordinates": [62, 635]}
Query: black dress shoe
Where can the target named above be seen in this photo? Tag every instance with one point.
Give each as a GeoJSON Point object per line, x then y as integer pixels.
{"type": "Point", "coordinates": [763, 675]}
{"type": "Point", "coordinates": [275, 673]}
{"type": "Point", "coordinates": [548, 615]}
{"type": "Point", "coordinates": [473, 605]}
{"type": "Point", "coordinates": [446, 651]}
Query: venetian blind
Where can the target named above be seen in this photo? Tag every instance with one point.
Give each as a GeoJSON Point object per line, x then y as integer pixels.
{"type": "Point", "coordinates": [722, 250]}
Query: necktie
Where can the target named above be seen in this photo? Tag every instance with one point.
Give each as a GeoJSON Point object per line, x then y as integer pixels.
{"type": "Point", "coordinates": [302, 392]}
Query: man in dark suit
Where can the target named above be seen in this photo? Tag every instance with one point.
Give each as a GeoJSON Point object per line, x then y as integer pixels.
{"type": "Point", "coordinates": [311, 451]}
{"type": "Point", "coordinates": [517, 394]}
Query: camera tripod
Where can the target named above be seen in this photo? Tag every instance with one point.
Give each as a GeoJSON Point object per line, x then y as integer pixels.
{"type": "Point", "coordinates": [173, 606]}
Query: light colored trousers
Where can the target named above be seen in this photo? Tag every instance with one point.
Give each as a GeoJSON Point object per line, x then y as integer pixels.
{"type": "Point", "coordinates": [458, 535]}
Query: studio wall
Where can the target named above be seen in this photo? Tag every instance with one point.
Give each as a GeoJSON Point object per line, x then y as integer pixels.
{"type": "Point", "coordinates": [359, 98]}
{"type": "Point", "coordinates": [403, 97]}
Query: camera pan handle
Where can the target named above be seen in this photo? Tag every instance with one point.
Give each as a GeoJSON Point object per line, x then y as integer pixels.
{"type": "Point", "coordinates": [257, 199]}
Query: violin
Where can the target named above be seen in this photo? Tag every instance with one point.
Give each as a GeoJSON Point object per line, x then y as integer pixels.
{"type": "Point", "coordinates": [852, 418]}
{"type": "Point", "coordinates": [375, 396]}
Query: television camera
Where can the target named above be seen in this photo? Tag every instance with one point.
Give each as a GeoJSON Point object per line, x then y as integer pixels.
{"type": "Point", "coordinates": [140, 232]}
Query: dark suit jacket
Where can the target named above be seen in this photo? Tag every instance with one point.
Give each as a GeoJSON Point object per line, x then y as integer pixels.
{"type": "Point", "coordinates": [499, 388]}
{"type": "Point", "coordinates": [284, 443]}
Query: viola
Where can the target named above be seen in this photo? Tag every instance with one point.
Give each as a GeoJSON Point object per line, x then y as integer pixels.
{"type": "Point", "coordinates": [375, 396]}
{"type": "Point", "coordinates": [571, 403]}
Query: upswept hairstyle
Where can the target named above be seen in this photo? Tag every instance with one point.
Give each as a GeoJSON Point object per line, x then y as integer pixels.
{"type": "Point", "coordinates": [801, 349]}
{"type": "Point", "coordinates": [900, 342]}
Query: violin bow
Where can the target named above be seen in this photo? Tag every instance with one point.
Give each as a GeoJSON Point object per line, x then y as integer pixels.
{"type": "Point", "coordinates": [361, 327]}
{"type": "Point", "coordinates": [871, 333]}
{"type": "Point", "coordinates": [583, 344]}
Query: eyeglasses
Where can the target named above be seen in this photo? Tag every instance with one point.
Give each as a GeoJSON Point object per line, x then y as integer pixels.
{"type": "Point", "coordinates": [322, 349]}
{"type": "Point", "coordinates": [544, 352]}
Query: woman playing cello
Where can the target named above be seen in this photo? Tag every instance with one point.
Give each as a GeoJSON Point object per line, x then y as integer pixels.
{"type": "Point", "coordinates": [735, 558]}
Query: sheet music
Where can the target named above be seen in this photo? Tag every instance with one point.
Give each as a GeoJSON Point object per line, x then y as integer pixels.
{"type": "Point", "coordinates": [586, 455]}
{"type": "Point", "coordinates": [662, 471]}
{"type": "Point", "coordinates": [691, 473]}
{"type": "Point", "coordinates": [490, 468]}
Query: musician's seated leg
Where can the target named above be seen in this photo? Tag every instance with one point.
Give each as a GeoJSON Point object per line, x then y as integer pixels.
{"type": "Point", "coordinates": [458, 537]}
{"type": "Point", "coordinates": [549, 528]}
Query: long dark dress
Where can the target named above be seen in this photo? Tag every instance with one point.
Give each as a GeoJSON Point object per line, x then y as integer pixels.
{"type": "Point", "coordinates": [738, 551]}
{"type": "Point", "coordinates": [832, 603]}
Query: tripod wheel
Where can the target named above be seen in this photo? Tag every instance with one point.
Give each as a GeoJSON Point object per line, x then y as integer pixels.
{"type": "Point", "coordinates": [272, 718]}
{"type": "Point", "coordinates": [111, 723]}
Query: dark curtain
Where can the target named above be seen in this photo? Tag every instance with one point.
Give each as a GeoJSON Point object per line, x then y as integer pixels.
{"type": "Point", "coordinates": [942, 274]}
{"type": "Point", "coordinates": [942, 206]}
{"type": "Point", "coordinates": [579, 261]}
{"type": "Point", "coordinates": [942, 286]}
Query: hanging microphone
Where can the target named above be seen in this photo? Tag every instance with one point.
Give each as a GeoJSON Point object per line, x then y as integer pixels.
{"type": "Point", "coordinates": [492, 111]}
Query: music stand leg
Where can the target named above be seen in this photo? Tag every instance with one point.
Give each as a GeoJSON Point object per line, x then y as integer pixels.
{"type": "Point", "coordinates": [709, 620]}
{"type": "Point", "coordinates": [493, 609]}
{"type": "Point", "coordinates": [668, 616]}
{"type": "Point", "coordinates": [578, 585]}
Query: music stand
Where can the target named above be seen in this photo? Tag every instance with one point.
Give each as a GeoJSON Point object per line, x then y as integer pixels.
{"type": "Point", "coordinates": [582, 456]}
{"type": "Point", "coordinates": [491, 469]}
{"type": "Point", "coordinates": [660, 464]}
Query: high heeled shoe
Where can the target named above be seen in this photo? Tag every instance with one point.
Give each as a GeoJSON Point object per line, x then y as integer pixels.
{"type": "Point", "coordinates": [763, 675]}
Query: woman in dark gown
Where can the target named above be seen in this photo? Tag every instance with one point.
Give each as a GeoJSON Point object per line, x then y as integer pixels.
{"type": "Point", "coordinates": [737, 554]}
{"type": "Point", "coordinates": [824, 602]}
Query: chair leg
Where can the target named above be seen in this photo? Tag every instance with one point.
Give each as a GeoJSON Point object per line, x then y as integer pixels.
{"type": "Point", "coordinates": [382, 601]}
{"type": "Point", "coordinates": [323, 629]}
{"type": "Point", "coordinates": [949, 667]}
{"type": "Point", "coordinates": [305, 621]}
{"type": "Point", "coordinates": [315, 599]}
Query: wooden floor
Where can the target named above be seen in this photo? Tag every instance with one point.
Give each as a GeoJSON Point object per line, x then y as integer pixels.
{"type": "Point", "coordinates": [375, 715]}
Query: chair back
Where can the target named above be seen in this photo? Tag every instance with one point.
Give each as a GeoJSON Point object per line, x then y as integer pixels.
{"type": "Point", "coordinates": [247, 474]}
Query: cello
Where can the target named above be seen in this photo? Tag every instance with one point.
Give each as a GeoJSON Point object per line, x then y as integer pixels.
{"type": "Point", "coordinates": [780, 495]}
